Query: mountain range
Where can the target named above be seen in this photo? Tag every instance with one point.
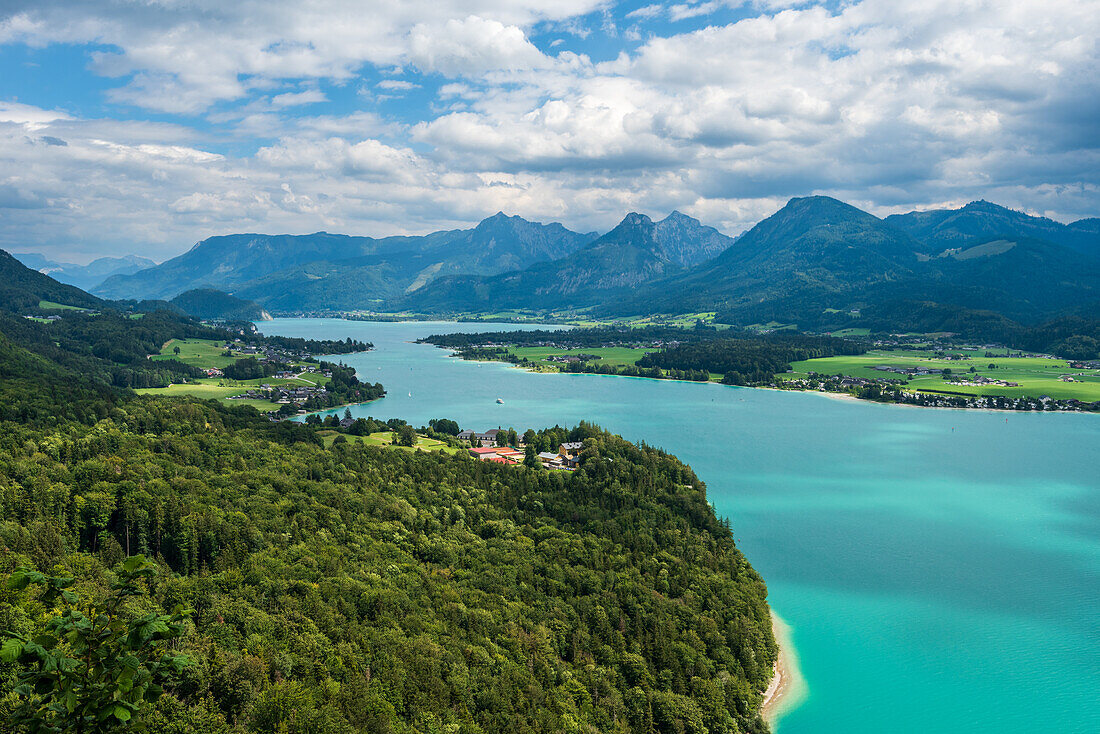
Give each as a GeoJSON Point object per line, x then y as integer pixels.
{"type": "Point", "coordinates": [981, 221]}
{"type": "Point", "coordinates": [634, 254]}
{"type": "Point", "coordinates": [820, 262]}
{"type": "Point", "coordinates": [817, 262]}
{"type": "Point", "coordinates": [87, 276]}
{"type": "Point", "coordinates": [325, 271]}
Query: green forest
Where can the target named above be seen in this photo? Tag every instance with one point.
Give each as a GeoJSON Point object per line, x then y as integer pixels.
{"type": "Point", "coordinates": [747, 361]}
{"type": "Point", "coordinates": [297, 588]}
{"type": "Point", "coordinates": [742, 358]}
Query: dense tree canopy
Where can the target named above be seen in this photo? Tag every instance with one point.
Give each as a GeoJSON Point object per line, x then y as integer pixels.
{"type": "Point", "coordinates": [358, 588]}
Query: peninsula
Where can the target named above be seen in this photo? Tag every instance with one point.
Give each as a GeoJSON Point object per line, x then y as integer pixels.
{"type": "Point", "coordinates": [921, 370]}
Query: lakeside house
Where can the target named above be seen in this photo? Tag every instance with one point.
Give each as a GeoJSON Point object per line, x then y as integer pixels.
{"type": "Point", "coordinates": [570, 448]}
{"type": "Point", "coordinates": [507, 455]}
{"type": "Point", "coordinates": [489, 436]}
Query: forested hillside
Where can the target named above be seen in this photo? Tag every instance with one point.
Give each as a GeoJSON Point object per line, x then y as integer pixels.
{"type": "Point", "coordinates": [208, 303]}
{"type": "Point", "coordinates": [355, 588]}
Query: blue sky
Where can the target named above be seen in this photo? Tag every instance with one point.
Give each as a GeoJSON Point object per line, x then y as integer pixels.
{"type": "Point", "coordinates": [144, 127]}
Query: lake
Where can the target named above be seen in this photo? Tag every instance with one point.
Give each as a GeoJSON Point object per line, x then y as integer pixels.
{"type": "Point", "coordinates": [939, 569]}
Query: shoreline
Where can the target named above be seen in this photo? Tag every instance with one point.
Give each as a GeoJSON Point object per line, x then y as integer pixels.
{"type": "Point", "coordinates": [843, 396]}
{"type": "Point", "coordinates": [787, 688]}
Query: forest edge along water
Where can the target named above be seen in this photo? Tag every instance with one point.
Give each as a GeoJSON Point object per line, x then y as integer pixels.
{"type": "Point", "coordinates": [940, 570]}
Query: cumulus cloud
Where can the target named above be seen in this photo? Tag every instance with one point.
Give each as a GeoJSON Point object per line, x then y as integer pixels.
{"type": "Point", "coordinates": [892, 104]}
{"type": "Point", "coordinates": [472, 46]}
{"type": "Point", "coordinates": [186, 57]}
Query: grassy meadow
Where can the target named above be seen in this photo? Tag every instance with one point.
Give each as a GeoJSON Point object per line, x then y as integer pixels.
{"type": "Point", "coordinates": [202, 353]}
{"type": "Point", "coordinates": [52, 306]}
{"type": "Point", "coordinates": [207, 353]}
{"type": "Point", "coordinates": [608, 355]}
{"type": "Point", "coordinates": [1036, 376]}
{"type": "Point", "coordinates": [385, 439]}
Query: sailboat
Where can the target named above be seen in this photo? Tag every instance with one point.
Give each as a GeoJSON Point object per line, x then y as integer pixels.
{"type": "Point", "coordinates": [500, 401]}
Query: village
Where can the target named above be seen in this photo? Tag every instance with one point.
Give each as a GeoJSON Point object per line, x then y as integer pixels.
{"type": "Point", "coordinates": [483, 446]}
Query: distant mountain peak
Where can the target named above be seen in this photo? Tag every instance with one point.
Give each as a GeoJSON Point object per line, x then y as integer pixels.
{"type": "Point", "coordinates": [822, 210]}
{"type": "Point", "coordinates": [634, 219]}
{"type": "Point", "coordinates": [981, 205]}
{"type": "Point", "coordinates": [501, 221]}
{"type": "Point", "coordinates": [678, 217]}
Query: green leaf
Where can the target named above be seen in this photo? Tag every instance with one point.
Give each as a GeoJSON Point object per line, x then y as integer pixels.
{"type": "Point", "coordinates": [11, 649]}
{"type": "Point", "coordinates": [18, 580]}
{"type": "Point", "coordinates": [121, 713]}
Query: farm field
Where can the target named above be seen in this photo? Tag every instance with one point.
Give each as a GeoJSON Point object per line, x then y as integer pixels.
{"type": "Point", "coordinates": [203, 353]}
{"type": "Point", "coordinates": [50, 305]}
{"type": "Point", "coordinates": [1036, 376]}
{"type": "Point", "coordinates": [608, 355]}
{"type": "Point", "coordinates": [215, 388]}
{"type": "Point", "coordinates": [210, 390]}
{"type": "Point", "coordinates": [383, 438]}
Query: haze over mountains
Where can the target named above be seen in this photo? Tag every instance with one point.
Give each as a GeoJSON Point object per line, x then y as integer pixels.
{"type": "Point", "coordinates": [815, 262]}
{"type": "Point", "coordinates": [84, 276]}
{"type": "Point", "coordinates": [332, 271]}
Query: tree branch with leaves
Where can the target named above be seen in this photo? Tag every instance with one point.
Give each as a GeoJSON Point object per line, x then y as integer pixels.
{"type": "Point", "coordinates": [95, 672]}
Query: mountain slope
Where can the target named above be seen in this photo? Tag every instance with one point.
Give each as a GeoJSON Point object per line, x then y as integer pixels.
{"type": "Point", "coordinates": [686, 241]}
{"type": "Point", "coordinates": [1023, 278]}
{"type": "Point", "coordinates": [808, 253]}
{"type": "Point", "coordinates": [818, 262]}
{"type": "Point", "coordinates": [22, 288]}
{"type": "Point", "coordinates": [226, 261]}
{"type": "Point", "coordinates": [982, 221]}
{"type": "Point", "coordinates": [207, 303]}
{"type": "Point", "coordinates": [84, 276]}
{"type": "Point", "coordinates": [285, 269]}
{"type": "Point", "coordinates": [634, 253]}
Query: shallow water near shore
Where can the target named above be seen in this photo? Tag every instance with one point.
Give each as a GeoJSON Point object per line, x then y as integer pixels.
{"type": "Point", "coordinates": [940, 569]}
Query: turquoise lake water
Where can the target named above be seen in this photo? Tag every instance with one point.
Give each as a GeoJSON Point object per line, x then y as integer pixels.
{"type": "Point", "coordinates": [940, 569]}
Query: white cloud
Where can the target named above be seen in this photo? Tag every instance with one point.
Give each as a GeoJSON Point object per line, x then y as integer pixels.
{"type": "Point", "coordinates": [294, 99]}
{"type": "Point", "coordinates": [397, 84]}
{"type": "Point", "coordinates": [186, 57]}
{"type": "Point", "coordinates": [888, 103]}
{"type": "Point", "coordinates": [472, 46]}
{"type": "Point", "coordinates": [32, 117]}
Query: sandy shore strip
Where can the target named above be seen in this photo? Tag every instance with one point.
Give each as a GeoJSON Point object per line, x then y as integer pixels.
{"type": "Point", "coordinates": [787, 688]}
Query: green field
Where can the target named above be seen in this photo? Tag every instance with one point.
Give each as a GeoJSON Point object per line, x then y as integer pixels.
{"type": "Point", "coordinates": [384, 438]}
{"type": "Point", "coordinates": [207, 353]}
{"type": "Point", "coordinates": [50, 305]}
{"type": "Point", "coordinates": [210, 390]}
{"type": "Point", "coordinates": [214, 388]}
{"type": "Point", "coordinates": [617, 356]}
{"type": "Point", "coordinates": [201, 353]}
{"type": "Point", "coordinates": [1036, 376]}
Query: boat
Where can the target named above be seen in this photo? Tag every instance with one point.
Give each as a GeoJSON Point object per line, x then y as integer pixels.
{"type": "Point", "coordinates": [500, 402]}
